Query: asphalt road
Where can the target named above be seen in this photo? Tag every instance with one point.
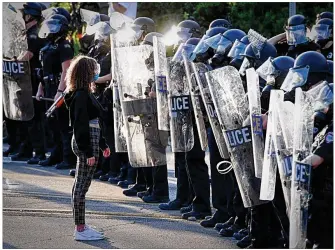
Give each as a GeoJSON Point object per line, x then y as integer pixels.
{"type": "Point", "coordinates": [37, 214]}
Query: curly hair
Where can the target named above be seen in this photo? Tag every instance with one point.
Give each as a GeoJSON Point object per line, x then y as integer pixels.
{"type": "Point", "coordinates": [81, 72]}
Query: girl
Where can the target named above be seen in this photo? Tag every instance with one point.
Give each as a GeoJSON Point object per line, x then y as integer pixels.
{"type": "Point", "coordinates": [86, 140]}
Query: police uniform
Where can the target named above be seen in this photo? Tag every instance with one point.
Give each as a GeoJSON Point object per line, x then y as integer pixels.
{"type": "Point", "coordinates": [295, 50]}
{"type": "Point", "coordinates": [52, 56]}
{"type": "Point", "coordinates": [328, 50]}
{"type": "Point", "coordinates": [320, 225]}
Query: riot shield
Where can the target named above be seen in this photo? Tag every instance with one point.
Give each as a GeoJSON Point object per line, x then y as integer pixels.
{"type": "Point", "coordinates": [119, 125]}
{"type": "Point", "coordinates": [269, 172]}
{"type": "Point", "coordinates": [180, 110]}
{"type": "Point", "coordinates": [232, 109]}
{"type": "Point", "coordinates": [301, 169]}
{"type": "Point", "coordinates": [197, 103]}
{"type": "Point", "coordinates": [161, 85]}
{"type": "Point", "coordinates": [17, 88]}
{"type": "Point", "coordinates": [256, 118]}
{"type": "Point", "coordinates": [283, 143]}
{"type": "Point", "coordinates": [199, 70]}
{"type": "Point", "coordinates": [146, 147]}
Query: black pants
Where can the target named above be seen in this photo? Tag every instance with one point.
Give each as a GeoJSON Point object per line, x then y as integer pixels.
{"type": "Point", "coordinates": [184, 189]}
{"type": "Point", "coordinates": [160, 185]}
{"type": "Point", "coordinates": [197, 171]}
{"type": "Point", "coordinates": [222, 184]}
{"type": "Point", "coordinates": [240, 211]}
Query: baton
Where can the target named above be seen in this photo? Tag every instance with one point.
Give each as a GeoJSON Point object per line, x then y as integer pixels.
{"type": "Point", "coordinates": [58, 103]}
{"type": "Point", "coordinates": [44, 99]}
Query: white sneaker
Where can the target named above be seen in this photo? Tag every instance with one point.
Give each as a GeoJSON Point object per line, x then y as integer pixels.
{"type": "Point", "coordinates": [94, 231]}
{"type": "Point", "coordinates": [88, 234]}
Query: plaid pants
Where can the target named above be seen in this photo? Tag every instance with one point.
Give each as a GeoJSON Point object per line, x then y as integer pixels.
{"type": "Point", "coordinates": [84, 175]}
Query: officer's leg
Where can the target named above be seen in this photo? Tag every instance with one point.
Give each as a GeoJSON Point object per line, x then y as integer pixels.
{"type": "Point", "coordinates": [66, 135]}
{"type": "Point", "coordinates": [222, 187]}
{"type": "Point", "coordinates": [197, 170]}
{"type": "Point", "coordinates": [36, 133]}
{"type": "Point", "coordinates": [185, 192]}
{"type": "Point", "coordinates": [11, 127]}
{"type": "Point", "coordinates": [160, 181]}
{"type": "Point", "coordinates": [26, 149]}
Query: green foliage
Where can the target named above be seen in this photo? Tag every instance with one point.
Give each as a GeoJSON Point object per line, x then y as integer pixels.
{"type": "Point", "coordinates": [266, 18]}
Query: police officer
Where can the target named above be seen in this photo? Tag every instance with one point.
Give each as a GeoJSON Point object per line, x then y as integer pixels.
{"type": "Point", "coordinates": [33, 129]}
{"type": "Point", "coordinates": [323, 36]}
{"type": "Point", "coordinates": [296, 36]}
{"type": "Point", "coordinates": [235, 53]}
{"type": "Point", "coordinates": [55, 58]}
{"type": "Point", "coordinates": [325, 14]}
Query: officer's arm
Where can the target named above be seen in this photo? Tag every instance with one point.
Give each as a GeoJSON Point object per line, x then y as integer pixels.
{"type": "Point", "coordinates": [119, 8]}
{"type": "Point", "coordinates": [104, 79]}
{"type": "Point", "coordinates": [25, 56]}
{"type": "Point", "coordinates": [315, 160]}
{"type": "Point", "coordinates": [65, 66]}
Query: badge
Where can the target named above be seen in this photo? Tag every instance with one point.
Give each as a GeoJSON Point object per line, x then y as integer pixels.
{"type": "Point", "coordinates": [329, 137]}
{"type": "Point", "coordinates": [67, 46]}
{"type": "Point", "coordinates": [330, 55]}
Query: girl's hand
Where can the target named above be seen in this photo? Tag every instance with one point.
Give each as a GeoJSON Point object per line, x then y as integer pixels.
{"type": "Point", "coordinates": [106, 152]}
{"type": "Point", "coordinates": [91, 161]}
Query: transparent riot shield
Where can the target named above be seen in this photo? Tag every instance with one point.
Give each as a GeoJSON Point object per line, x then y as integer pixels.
{"type": "Point", "coordinates": [161, 69]}
{"type": "Point", "coordinates": [180, 110]}
{"type": "Point", "coordinates": [301, 169]}
{"type": "Point", "coordinates": [17, 89]}
{"type": "Point", "coordinates": [119, 125]}
{"type": "Point", "coordinates": [256, 120]}
{"type": "Point", "coordinates": [269, 172]}
{"type": "Point", "coordinates": [199, 70]}
{"type": "Point", "coordinates": [145, 146]}
{"type": "Point", "coordinates": [232, 109]}
{"type": "Point", "coordinates": [197, 104]}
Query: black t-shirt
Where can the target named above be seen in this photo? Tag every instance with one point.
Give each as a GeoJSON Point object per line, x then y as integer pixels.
{"type": "Point", "coordinates": [328, 51]}
{"type": "Point", "coordinates": [34, 46]}
{"type": "Point", "coordinates": [54, 55]}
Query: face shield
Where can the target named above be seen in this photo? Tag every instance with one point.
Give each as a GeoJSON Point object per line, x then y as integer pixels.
{"type": "Point", "coordinates": [183, 34]}
{"type": "Point", "coordinates": [237, 49]}
{"type": "Point", "coordinates": [138, 31]}
{"type": "Point", "coordinates": [50, 26]}
{"type": "Point", "coordinates": [268, 72]}
{"type": "Point", "coordinates": [185, 49]}
{"type": "Point", "coordinates": [322, 94]}
{"type": "Point", "coordinates": [89, 17]}
{"type": "Point", "coordinates": [224, 46]}
{"type": "Point", "coordinates": [296, 34]}
{"type": "Point", "coordinates": [246, 64]}
{"type": "Point", "coordinates": [213, 41]}
{"type": "Point", "coordinates": [320, 32]}
{"type": "Point", "coordinates": [48, 12]}
{"type": "Point", "coordinates": [296, 77]}
{"type": "Point", "coordinates": [201, 47]}
{"type": "Point", "coordinates": [101, 30]}
{"type": "Point", "coordinates": [118, 20]}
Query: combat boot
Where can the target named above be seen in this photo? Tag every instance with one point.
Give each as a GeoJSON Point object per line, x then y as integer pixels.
{"type": "Point", "coordinates": [219, 226]}
{"type": "Point", "coordinates": [218, 217]}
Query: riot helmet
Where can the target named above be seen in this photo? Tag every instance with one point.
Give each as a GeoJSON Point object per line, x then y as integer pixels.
{"type": "Point", "coordinates": [187, 29]}
{"type": "Point", "coordinates": [252, 59]}
{"type": "Point", "coordinates": [296, 30]}
{"type": "Point", "coordinates": [202, 49]}
{"type": "Point", "coordinates": [186, 48]}
{"type": "Point", "coordinates": [309, 68]}
{"type": "Point", "coordinates": [325, 14]}
{"type": "Point", "coordinates": [149, 38]}
{"type": "Point", "coordinates": [143, 26]}
{"type": "Point", "coordinates": [34, 10]}
{"type": "Point", "coordinates": [59, 10]}
{"type": "Point", "coordinates": [322, 31]}
{"type": "Point", "coordinates": [43, 7]}
{"type": "Point", "coordinates": [220, 23]}
{"type": "Point", "coordinates": [54, 27]}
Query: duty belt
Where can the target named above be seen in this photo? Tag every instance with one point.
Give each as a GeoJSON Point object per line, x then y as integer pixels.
{"type": "Point", "coordinates": [52, 79]}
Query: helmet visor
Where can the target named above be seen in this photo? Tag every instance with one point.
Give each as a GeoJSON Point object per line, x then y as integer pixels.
{"type": "Point", "coordinates": [296, 77]}
{"type": "Point", "coordinates": [101, 29]}
{"type": "Point", "coordinates": [201, 47]}
{"type": "Point", "coordinates": [237, 49]}
{"type": "Point", "coordinates": [323, 95]}
{"type": "Point", "coordinates": [320, 32]}
{"type": "Point", "coordinates": [183, 33]}
{"type": "Point", "coordinates": [50, 26]}
{"type": "Point", "coordinates": [224, 45]}
{"type": "Point", "coordinates": [296, 34]}
{"type": "Point", "coordinates": [246, 64]}
{"type": "Point", "coordinates": [89, 17]}
{"type": "Point", "coordinates": [185, 49]}
{"type": "Point", "coordinates": [267, 70]}
{"type": "Point", "coordinates": [213, 41]}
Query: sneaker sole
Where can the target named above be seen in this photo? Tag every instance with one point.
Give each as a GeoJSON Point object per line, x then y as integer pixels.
{"type": "Point", "coordinates": [90, 239]}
